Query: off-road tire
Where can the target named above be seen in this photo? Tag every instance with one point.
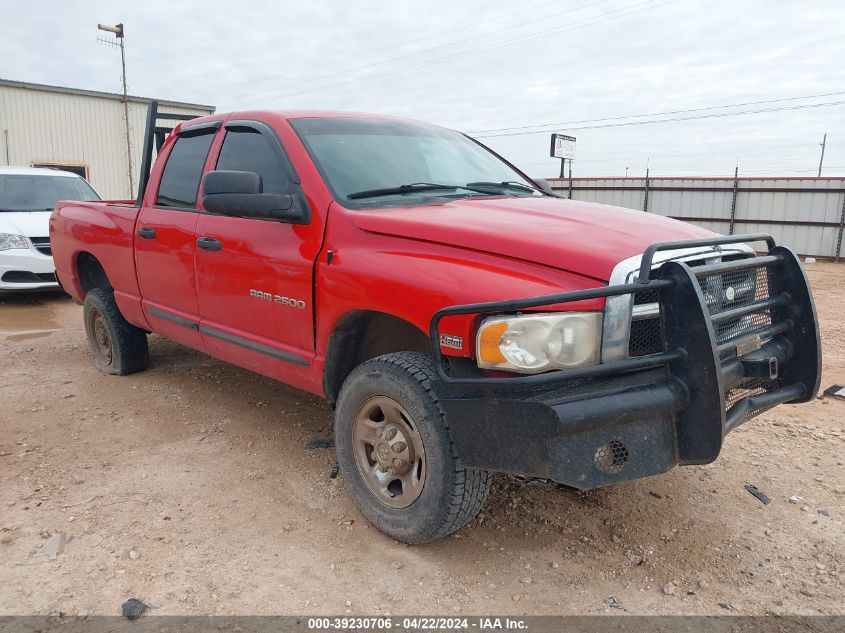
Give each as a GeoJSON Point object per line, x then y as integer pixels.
{"type": "Point", "coordinates": [116, 346]}
{"type": "Point", "coordinates": [452, 494]}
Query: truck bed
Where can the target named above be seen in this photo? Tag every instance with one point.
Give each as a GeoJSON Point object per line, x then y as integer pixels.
{"type": "Point", "coordinates": [104, 229]}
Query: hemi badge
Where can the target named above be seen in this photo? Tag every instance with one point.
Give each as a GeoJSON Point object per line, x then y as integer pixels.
{"type": "Point", "coordinates": [751, 345]}
{"type": "Point", "coordinates": [451, 341]}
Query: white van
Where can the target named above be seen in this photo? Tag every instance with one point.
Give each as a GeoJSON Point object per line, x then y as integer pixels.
{"type": "Point", "coordinates": [27, 198]}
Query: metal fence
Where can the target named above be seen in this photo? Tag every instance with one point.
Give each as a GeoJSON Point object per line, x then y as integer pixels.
{"type": "Point", "coordinates": [805, 214]}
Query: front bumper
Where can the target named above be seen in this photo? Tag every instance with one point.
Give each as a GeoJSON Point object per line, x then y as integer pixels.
{"type": "Point", "coordinates": [26, 270]}
{"type": "Point", "coordinates": [628, 418]}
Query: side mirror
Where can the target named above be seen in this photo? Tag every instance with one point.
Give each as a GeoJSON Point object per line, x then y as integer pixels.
{"type": "Point", "coordinates": [546, 186]}
{"type": "Point", "coordinates": [239, 194]}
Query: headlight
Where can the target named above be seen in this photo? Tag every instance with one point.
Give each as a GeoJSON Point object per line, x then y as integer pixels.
{"type": "Point", "coordinates": [530, 344]}
{"type": "Point", "coordinates": [9, 241]}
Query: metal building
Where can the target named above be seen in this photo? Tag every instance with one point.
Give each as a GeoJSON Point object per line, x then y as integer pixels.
{"type": "Point", "coordinates": [805, 214]}
{"type": "Point", "coordinates": [78, 130]}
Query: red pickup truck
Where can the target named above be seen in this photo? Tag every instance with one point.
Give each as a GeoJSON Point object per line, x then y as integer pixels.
{"type": "Point", "coordinates": [460, 317]}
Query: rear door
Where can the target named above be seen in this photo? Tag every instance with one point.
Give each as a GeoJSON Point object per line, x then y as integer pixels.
{"type": "Point", "coordinates": [255, 277]}
{"type": "Point", "coordinates": [165, 239]}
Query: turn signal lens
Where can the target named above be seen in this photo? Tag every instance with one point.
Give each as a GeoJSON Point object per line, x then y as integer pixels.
{"type": "Point", "coordinates": [489, 339]}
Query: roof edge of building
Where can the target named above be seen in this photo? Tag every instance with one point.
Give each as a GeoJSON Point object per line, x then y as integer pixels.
{"type": "Point", "coordinates": [96, 93]}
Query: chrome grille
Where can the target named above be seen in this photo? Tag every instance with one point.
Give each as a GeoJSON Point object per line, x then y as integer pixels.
{"type": "Point", "coordinates": [647, 333]}
{"type": "Point", "coordinates": [618, 339]}
{"type": "Point", "coordinates": [646, 297]}
{"type": "Point", "coordinates": [734, 290]}
{"type": "Point", "coordinates": [743, 294]}
{"type": "Point", "coordinates": [646, 337]}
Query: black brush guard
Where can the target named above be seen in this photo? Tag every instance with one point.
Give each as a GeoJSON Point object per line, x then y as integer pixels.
{"type": "Point", "coordinates": [730, 352]}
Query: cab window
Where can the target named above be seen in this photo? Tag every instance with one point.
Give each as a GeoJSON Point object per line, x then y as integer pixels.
{"type": "Point", "coordinates": [246, 149]}
{"type": "Point", "coordinates": [180, 180]}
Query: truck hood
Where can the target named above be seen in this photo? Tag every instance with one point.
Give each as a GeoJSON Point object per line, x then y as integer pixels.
{"type": "Point", "coordinates": [580, 237]}
{"type": "Point", "coordinates": [29, 223]}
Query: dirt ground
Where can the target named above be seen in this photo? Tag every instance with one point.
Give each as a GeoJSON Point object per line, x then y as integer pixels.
{"type": "Point", "coordinates": [189, 487]}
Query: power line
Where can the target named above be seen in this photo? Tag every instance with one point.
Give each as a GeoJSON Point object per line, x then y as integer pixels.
{"type": "Point", "coordinates": [671, 120]}
{"type": "Point", "coordinates": [439, 46]}
{"type": "Point", "coordinates": [461, 28]}
{"type": "Point", "coordinates": [633, 116]}
{"type": "Point", "coordinates": [611, 15]}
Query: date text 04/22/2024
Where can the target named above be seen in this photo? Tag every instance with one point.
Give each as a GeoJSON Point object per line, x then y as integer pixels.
{"type": "Point", "coordinates": [416, 623]}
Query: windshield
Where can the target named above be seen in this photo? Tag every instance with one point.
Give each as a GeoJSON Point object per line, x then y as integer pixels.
{"type": "Point", "coordinates": [372, 162]}
{"type": "Point", "coordinates": [28, 192]}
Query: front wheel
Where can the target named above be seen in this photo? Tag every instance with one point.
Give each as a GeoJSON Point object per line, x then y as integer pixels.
{"type": "Point", "coordinates": [397, 457]}
{"type": "Point", "coordinates": [116, 346]}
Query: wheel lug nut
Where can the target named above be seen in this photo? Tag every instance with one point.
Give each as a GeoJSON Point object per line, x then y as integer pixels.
{"type": "Point", "coordinates": [397, 462]}
{"type": "Point", "coordinates": [398, 447]}
{"type": "Point", "coordinates": [390, 434]}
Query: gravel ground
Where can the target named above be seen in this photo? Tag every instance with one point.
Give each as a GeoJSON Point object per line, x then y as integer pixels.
{"type": "Point", "coordinates": [188, 486]}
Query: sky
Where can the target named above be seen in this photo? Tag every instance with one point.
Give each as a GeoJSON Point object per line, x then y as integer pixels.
{"type": "Point", "coordinates": [508, 73]}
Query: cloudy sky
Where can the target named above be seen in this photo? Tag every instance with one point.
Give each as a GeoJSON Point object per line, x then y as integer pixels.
{"type": "Point", "coordinates": [511, 73]}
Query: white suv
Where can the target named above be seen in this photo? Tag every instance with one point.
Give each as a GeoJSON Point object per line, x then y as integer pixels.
{"type": "Point", "coordinates": [27, 198]}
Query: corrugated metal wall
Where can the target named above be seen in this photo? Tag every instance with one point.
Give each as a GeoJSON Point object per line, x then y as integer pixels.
{"type": "Point", "coordinates": [805, 214]}
{"type": "Point", "coordinates": [47, 126]}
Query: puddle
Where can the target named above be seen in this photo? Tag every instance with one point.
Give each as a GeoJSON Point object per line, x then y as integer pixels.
{"type": "Point", "coordinates": [26, 318]}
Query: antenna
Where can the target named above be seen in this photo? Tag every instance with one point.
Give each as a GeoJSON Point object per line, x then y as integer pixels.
{"type": "Point", "coordinates": [117, 29]}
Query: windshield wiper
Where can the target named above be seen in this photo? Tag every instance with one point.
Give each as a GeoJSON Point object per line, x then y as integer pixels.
{"type": "Point", "coordinates": [414, 187]}
{"type": "Point", "coordinates": [508, 184]}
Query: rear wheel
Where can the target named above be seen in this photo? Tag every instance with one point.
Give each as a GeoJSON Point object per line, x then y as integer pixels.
{"type": "Point", "coordinates": [116, 346]}
{"type": "Point", "coordinates": [397, 457]}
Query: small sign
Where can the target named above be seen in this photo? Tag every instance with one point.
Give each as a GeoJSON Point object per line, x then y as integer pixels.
{"type": "Point", "coordinates": [563, 146]}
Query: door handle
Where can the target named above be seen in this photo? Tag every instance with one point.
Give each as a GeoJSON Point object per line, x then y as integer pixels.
{"type": "Point", "coordinates": [209, 244]}
{"type": "Point", "coordinates": [147, 233]}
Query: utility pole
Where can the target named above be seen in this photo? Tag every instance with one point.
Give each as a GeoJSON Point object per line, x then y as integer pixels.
{"type": "Point", "coordinates": [117, 29]}
{"type": "Point", "coordinates": [821, 160]}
